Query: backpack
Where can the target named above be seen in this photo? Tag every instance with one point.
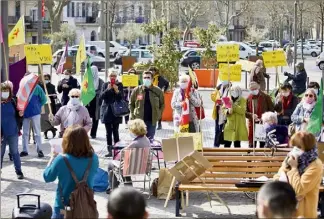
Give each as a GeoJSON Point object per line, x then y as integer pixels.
{"type": "Point", "coordinates": [81, 203]}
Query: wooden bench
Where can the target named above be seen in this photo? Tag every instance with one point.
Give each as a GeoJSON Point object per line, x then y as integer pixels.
{"type": "Point", "coordinates": [229, 167]}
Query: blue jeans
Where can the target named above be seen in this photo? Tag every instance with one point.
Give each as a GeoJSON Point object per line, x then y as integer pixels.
{"type": "Point", "coordinates": [12, 141]}
{"type": "Point", "coordinates": [150, 130]}
{"type": "Point", "coordinates": [35, 120]}
{"type": "Point", "coordinates": [57, 213]}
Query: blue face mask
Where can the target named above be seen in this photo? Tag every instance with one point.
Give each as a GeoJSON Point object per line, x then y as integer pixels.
{"type": "Point", "coordinates": [147, 82]}
{"type": "Point", "coordinates": [225, 83]}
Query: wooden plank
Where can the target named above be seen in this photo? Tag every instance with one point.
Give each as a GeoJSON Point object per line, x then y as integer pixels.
{"type": "Point", "coordinates": [216, 154]}
{"type": "Point", "coordinates": [246, 164]}
{"type": "Point", "coordinates": [245, 158]}
{"type": "Point", "coordinates": [244, 169]}
{"type": "Point", "coordinates": [237, 175]}
{"type": "Point", "coordinates": [211, 187]}
{"type": "Point", "coordinates": [211, 149]}
{"type": "Point", "coordinates": [217, 181]}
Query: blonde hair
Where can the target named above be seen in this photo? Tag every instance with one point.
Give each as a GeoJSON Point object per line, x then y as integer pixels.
{"type": "Point", "coordinates": [75, 91]}
{"type": "Point", "coordinates": [137, 127]}
{"type": "Point", "coordinates": [269, 117]}
{"type": "Point", "coordinates": [112, 72]}
{"type": "Point", "coordinates": [303, 140]}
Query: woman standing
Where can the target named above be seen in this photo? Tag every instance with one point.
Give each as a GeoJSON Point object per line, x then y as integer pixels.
{"type": "Point", "coordinates": [178, 99]}
{"type": "Point", "coordinates": [304, 109]}
{"type": "Point", "coordinates": [94, 106]}
{"type": "Point", "coordinates": [289, 56]}
{"type": "Point", "coordinates": [111, 92]}
{"type": "Point", "coordinates": [235, 128]}
{"type": "Point", "coordinates": [78, 152]}
{"type": "Point", "coordinates": [303, 170]}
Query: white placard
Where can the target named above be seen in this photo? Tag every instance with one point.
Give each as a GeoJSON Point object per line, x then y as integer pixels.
{"type": "Point", "coordinates": [259, 133]}
{"type": "Point", "coordinates": [56, 145]}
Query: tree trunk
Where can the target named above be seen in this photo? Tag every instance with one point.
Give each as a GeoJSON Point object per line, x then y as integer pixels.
{"type": "Point", "coordinates": [257, 49]}
{"type": "Point", "coordinates": [55, 25]}
{"type": "Point", "coordinates": [301, 34]}
{"type": "Point", "coordinates": [185, 34]}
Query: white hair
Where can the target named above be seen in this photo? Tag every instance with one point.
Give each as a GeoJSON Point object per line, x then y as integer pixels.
{"type": "Point", "coordinates": [184, 76]}
{"type": "Point", "coordinates": [75, 91]}
{"type": "Point", "coordinates": [112, 71]}
{"type": "Point", "coordinates": [269, 117]}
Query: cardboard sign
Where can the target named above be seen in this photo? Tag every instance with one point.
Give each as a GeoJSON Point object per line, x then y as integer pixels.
{"type": "Point", "coordinates": [246, 65]}
{"type": "Point", "coordinates": [274, 58]}
{"type": "Point", "coordinates": [130, 80]}
{"type": "Point", "coordinates": [234, 72]}
{"type": "Point", "coordinates": [259, 133]}
{"type": "Point", "coordinates": [197, 139]}
{"type": "Point", "coordinates": [169, 147]}
{"type": "Point", "coordinates": [38, 54]}
{"type": "Point", "coordinates": [228, 53]}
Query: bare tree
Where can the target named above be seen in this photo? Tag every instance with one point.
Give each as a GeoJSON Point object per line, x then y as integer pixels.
{"type": "Point", "coordinates": [320, 13]}
{"type": "Point", "coordinates": [131, 32]}
{"type": "Point", "coordinates": [256, 35]}
{"type": "Point", "coordinates": [55, 8]}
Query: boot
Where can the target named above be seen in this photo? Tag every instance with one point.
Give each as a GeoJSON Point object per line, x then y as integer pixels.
{"type": "Point", "coordinates": [159, 125]}
{"type": "Point", "coordinates": [109, 149]}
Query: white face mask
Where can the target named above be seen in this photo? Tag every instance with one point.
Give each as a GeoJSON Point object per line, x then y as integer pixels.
{"type": "Point", "coordinates": [234, 94]}
{"type": "Point", "coordinates": [47, 81]}
{"type": "Point", "coordinates": [183, 85]}
{"type": "Point", "coordinates": [285, 94]}
{"type": "Point", "coordinates": [67, 76]}
{"type": "Point", "coordinates": [5, 95]}
{"type": "Point", "coordinates": [75, 101]}
{"type": "Point", "coordinates": [296, 152]}
{"type": "Point", "coordinates": [254, 92]}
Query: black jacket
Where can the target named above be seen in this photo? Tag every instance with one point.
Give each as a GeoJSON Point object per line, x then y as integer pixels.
{"type": "Point", "coordinates": [108, 97]}
{"type": "Point", "coordinates": [163, 83]}
{"type": "Point", "coordinates": [51, 90]}
{"type": "Point", "coordinates": [298, 82]}
{"type": "Point", "coordinates": [285, 119]}
{"type": "Point", "coordinates": [73, 83]}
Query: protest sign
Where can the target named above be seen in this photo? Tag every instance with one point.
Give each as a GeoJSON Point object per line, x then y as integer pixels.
{"type": "Point", "coordinates": [274, 58]}
{"type": "Point", "coordinates": [38, 54]}
{"type": "Point", "coordinates": [228, 53]}
{"type": "Point", "coordinates": [130, 80]}
{"type": "Point", "coordinates": [246, 65]}
{"type": "Point", "coordinates": [233, 71]}
{"type": "Point", "coordinates": [259, 133]}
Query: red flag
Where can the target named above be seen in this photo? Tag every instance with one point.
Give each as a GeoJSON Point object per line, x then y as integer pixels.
{"type": "Point", "coordinates": [1, 34]}
{"type": "Point", "coordinates": [43, 8]}
{"type": "Point", "coordinates": [26, 88]}
{"type": "Point", "coordinates": [62, 60]}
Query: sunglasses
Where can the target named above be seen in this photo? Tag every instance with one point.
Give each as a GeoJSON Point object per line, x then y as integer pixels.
{"type": "Point", "coordinates": [309, 95]}
{"type": "Point", "coordinates": [74, 96]}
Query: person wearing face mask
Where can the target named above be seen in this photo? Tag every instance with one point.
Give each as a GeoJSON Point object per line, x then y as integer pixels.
{"type": "Point", "coordinates": [137, 131]}
{"type": "Point", "coordinates": [67, 84]}
{"type": "Point", "coordinates": [219, 115]}
{"type": "Point", "coordinates": [270, 124]}
{"type": "Point", "coordinates": [111, 92]}
{"type": "Point", "coordinates": [304, 109]}
{"type": "Point", "coordinates": [257, 103]}
{"type": "Point", "coordinates": [298, 80]}
{"type": "Point", "coordinates": [285, 104]}
{"type": "Point", "coordinates": [235, 128]}
{"type": "Point", "coordinates": [147, 103]}
{"type": "Point", "coordinates": [303, 170]}
{"type": "Point", "coordinates": [258, 74]}
{"type": "Point", "coordinates": [194, 101]}
{"type": "Point", "coordinates": [72, 114]}
{"type": "Point", "coordinates": [10, 126]}
{"type": "Point", "coordinates": [315, 86]}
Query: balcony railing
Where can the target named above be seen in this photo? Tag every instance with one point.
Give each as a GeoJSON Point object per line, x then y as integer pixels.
{"type": "Point", "coordinates": [13, 19]}
{"type": "Point", "coordinates": [123, 20]}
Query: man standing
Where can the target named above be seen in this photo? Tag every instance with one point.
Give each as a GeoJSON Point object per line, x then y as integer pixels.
{"type": "Point", "coordinates": [147, 103]}
{"type": "Point", "coordinates": [161, 82]}
{"type": "Point", "coordinates": [32, 114]}
{"type": "Point", "coordinates": [67, 84]}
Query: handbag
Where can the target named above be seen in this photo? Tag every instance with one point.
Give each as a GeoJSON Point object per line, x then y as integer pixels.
{"type": "Point", "coordinates": [120, 108]}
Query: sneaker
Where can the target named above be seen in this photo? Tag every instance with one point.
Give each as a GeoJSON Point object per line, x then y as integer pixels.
{"type": "Point", "coordinates": [40, 154]}
{"type": "Point", "coordinates": [20, 175]}
{"type": "Point", "coordinates": [159, 127]}
{"type": "Point", "coordinates": [109, 154]}
{"type": "Point", "coordinates": [23, 154]}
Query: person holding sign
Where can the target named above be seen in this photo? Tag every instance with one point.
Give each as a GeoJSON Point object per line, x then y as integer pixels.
{"type": "Point", "coordinates": [298, 80]}
{"type": "Point", "coordinates": [258, 74]}
{"type": "Point", "coordinates": [67, 84]}
{"type": "Point", "coordinates": [257, 103]}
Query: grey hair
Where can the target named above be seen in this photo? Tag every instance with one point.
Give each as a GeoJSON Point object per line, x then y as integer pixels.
{"type": "Point", "coordinates": [313, 91]}
{"type": "Point", "coordinates": [75, 91]}
{"type": "Point", "coordinates": [269, 116]}
{"type": "Point", "coordinates": [112, 72]}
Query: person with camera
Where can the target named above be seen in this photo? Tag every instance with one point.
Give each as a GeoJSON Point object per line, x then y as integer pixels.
{"type": "Point", "coordinates": [67, 84]}
{"type": "Point", "coordinates": [298, 80]}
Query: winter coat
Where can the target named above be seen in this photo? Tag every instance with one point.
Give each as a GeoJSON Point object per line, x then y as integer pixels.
{"type": "Point", "coordinates": [285, 119]}
{"type": "Point", "coordinates": [235, 127]}
{"type": "Point", "coordinates": [51, 91]}
{"type": "Point", "coordinates": [281, 134]}
{"type": "Point", "coordinates": [108, 97]}
{"type": "Point", "coordinates": [194, 101]}
{"type": "Point", "coordinates": [298, 116]}
{"type": "Point", "coordinates": [11, 122]}
{"type": "Point", "coordinates": [137, 101]}
{"type": "Point", "coordinates": [37, 100]}
{"type": "Point", "coordinates": [258, 75]}
{"type": "Point", "coordinates": [94, 105]}
{"type": "Point", "coordinates": [298, 82]}
{"type": "Point", "coordinates": [217, 94]}
{"type": "Point", "coordinates": [72, 82]}
{"type": "Point", "coordinates": [162, 82]}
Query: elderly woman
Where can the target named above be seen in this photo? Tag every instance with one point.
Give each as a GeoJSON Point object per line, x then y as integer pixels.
{"type": "Point", "coordinates": [304, 109]}
{"type": "Point", "coordinates": [270, 123]}
{"type": "Point", "coordinates": [303, 170]}
{"type": "Point", "coordinates": [111, 92]}
{"type": "Point", "coordinates": [73, 113]}
{"type": "Point", "coordinates": [137, 131]}
{"type": "Point", "coordinates": [177, 103]}
{"type": "Point", "coordinates": [235, 128]}
{"type": "Point", "coordinates": [258, 74]}
{"type": "Point", "coordinates": [94, 106]}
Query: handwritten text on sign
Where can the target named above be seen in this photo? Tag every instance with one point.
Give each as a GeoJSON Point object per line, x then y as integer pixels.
{"type": "Point", "coordinates": [274, 58]}
{"type": "Point", "coordinates": [38, 54]}
{"type": "Point", "coordinates": [228, 53]}
{"type": "Point", "coordinates": [234, 72]}
{"type": "Point", "coordinates": [130, 80]}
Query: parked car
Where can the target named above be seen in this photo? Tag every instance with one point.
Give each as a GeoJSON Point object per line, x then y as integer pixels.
{"type": "Point", "coordinates": [245, 50]}
{"type": "Point", "coordinates": [142, 55]}
{"type": "Point", "coordinates": [261, 49]}
{"type": "Point", "coordinates": [114, 47]}
{"type": "Point", "coordinates": [268, 46]}
{"type": "Point", "coordinates": [320, 61]}
{"type": "Point", "coordinates": [191, 58]}
{"type": "Point", "coordinates": [95, 50]}
{"type": "Point", "coordinates": [95, 60]}
{"type": "Point", "coordinates": [308, 50]}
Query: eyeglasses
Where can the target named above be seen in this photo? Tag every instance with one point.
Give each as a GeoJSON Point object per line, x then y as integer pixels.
{"type": "Point", "coordinates": [309, 95]}
{"type": "Point", "coordinates": [74, 96]}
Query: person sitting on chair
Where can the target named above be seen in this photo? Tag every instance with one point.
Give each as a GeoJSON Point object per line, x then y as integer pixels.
{"type": "Point", "coordinates": [137, 129]}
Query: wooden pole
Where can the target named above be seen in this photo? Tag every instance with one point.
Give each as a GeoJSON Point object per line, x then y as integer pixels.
{"type": "Point", "coordinates": [43, 80]}
{"type": "Point", "coordinates": [5, 60]}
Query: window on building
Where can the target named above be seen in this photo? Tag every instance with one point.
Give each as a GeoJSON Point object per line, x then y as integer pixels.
{"type": "Point", "coordinates": [124, 15]}
{"type": "Point", "coordinates": [132, 12]}
{"type": "Point", "coordinates": [17, 12]}
{"type": "Point", "coordinates": [77, 9]}
{"type": "Point", "coordinates": [140, 11]}
{"type": "Point", "coordinates": [68, 10]}
{"type": "Point", "coordinates": [73, 10]}
{"type": "Point", "coordinates": [83, 9]}
{"type": "Point", "coordinates": [93, 36]}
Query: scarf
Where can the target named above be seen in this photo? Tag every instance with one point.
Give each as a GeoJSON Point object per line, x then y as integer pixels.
{"type": "Point", "coordinates": [156, 80]}
{"type": "Point", "coordinates": [259, 101]}
{"type": "Point", "coordinates": [305, 159]}
{"type": "Point", "coordinates": [73, 116]}
{"type": "Point", "coordinates": [286, 101]}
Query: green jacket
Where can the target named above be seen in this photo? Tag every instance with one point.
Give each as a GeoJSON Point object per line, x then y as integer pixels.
{"type": "Point", "coordinates": [235, 128]}
{"type": "Point", "coordinates": [137, 100]}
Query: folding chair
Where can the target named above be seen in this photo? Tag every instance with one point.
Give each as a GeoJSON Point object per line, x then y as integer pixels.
{"type": "Point", "coordinates": [134, 162]}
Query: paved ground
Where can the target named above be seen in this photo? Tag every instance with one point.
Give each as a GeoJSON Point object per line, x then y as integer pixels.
{"type": "Point", "coordinates": [240, 205]}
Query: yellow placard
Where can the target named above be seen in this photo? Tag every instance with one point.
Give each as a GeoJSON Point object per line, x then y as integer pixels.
{"type": "Point", "coordinates": [38, 54]}
{"type": "Point", "coordinates": [246, 65]}
{"type": "Point", "coordinates": [234, 72]}
{"type": "Point", "coordinates": [274, 58]}
{"type": "Point", "coordinates": [130, 80]}
{"type": "Point", "coordinates": [228, 53]}
{"type": "Point", "coordinates": [197, 138]}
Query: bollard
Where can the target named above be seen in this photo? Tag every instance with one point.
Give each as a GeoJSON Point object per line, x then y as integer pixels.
{"type": "Point", "coordinates": [246, 79]}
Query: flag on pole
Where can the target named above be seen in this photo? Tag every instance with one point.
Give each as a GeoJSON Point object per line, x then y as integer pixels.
{"type": "Point", "coordinates": [17, 34]}
{"type": "Point", "coordinates": [315, 121]}
{"type": "Point", "coordinates": [1, 34]}
{"type": "Point", "coordinates": [88, 91]}
{"type": "Point", "coordinates": [16, 73]}
{"type": "Point", "coordinates": [63, 59]}
{"type": "Point", "coordinates": [81, 55]}
{"type": "Point", "coordinates": [26, 88]}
